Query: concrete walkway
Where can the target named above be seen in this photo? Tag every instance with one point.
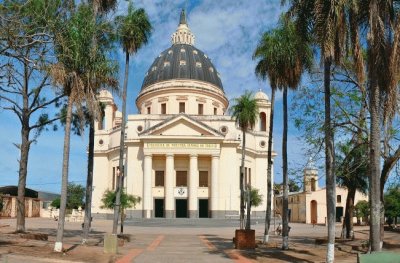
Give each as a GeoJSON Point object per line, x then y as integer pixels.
{"type": "Point", "coordinates": [179, 240]}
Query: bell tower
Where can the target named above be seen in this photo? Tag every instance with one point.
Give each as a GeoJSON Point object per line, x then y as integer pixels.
{"type": "Point", "coordinates": [310, 177]}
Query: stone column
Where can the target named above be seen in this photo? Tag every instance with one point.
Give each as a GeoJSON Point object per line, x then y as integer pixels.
{"type": "Point", "coordinates": [193, 185]}
{"type": "Point", "coordinates": [214, 185]}
{"type": "Point", "coordinates": [147, 196]}
{"type": "Point", "coordinates": [169, 186]}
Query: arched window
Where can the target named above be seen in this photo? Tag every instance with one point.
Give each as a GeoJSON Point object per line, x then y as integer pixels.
{"type": "Point", "coordinates": [263, 121]}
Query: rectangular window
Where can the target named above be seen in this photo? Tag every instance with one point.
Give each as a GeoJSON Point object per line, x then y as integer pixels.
{"type": "Point", "coordinates": [159, 178]}
{"type": "Point", "coordinates": [249, 177]}
{"type": "Point", "coordinates": [245, 176]}
{"type": "Point", "coordinates": [163, 108]}
{"type": "Point", "coordinates": [203, 179]}
{"type": "Point", "coordinates": [181, 178]}
{"type": "Point", "coordinates": [200, 109]}
{"type": "Point", "coordinates": [215, 111]}
{"type": "Point", "coordinates": [181, 107]}
{"type": "Point", "coordinates": [338, 198]}
{"type": "Point", "coordinates": [148, 110]}
{"type": "Point", "coordinates": [113, 179]}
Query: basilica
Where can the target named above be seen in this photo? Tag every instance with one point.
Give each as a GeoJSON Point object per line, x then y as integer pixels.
{"type": "Point", "coordinates": [182, 149]}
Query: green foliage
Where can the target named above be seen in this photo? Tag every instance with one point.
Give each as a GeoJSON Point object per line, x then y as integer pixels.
{"type": "Point", "coordinates": [282, 55]}
{"type": "Point", "coordinates": [127, 201]}
{"type": "Point", "coordinates": [362, 209]}
{"type": "Point", "coordinates": [256, 198]}
{"type": "Point", "coordinates": [352, 165]}
{"type": "Point", "coordinates": [75, 195]}
{"type": "Point", "coordinates": [56, 203]}
{"type": "Point", "coordinates": [293, 186]}
{"type": "Point", "coordinates": [392, 203]}
{"type": "Point", "coordinates": [245, 110]}
{"type": "Point", "coordinates": [133, 29]}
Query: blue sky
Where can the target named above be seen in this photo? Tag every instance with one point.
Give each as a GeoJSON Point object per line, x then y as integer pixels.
{"type": "Point", "coordinates": [227, 31]}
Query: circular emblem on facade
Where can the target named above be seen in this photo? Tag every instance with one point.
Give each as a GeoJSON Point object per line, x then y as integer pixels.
{"type": "Point", "coordinates": [181, 191]}
{"type": "Point", "coordinates": [101, 142]}
{"type": "Point", "coordinates": [139, 128]}
{"type": "Point", "coordinates": [262, 144]}
{"type": "Point", "coordinates": [223, 129]}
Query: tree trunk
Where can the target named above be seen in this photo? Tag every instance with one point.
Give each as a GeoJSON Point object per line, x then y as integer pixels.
{"type": "Point", "coordinates": [374, 154]}
{"type": "Point", "coordinates": [242, 180]}
{"type": "Point", "coordinates": [89, 180]}
{"type": "Point", "coordinates": [121, 148]}
{"type": "Point", "coordinates": [285, 208]}
{"type": "Point", "coordinates": [348, 216]}
{"type": "Point", "coordinates": [89, 185]}
{"type": "Point", "coordinates": [269, 169]}
{"type": "Point", "coordinates": [24, 150]}
{"type": "Point", "coordinates": [329, 164]}
{"type": "Point", "coordinates": [23, 170]}
{"type": "Point", "coordinates": [58, 247]}
{"type": "Point", "coordinates": [248, 222]}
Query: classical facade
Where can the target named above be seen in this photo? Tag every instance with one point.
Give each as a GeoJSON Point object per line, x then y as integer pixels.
{"type": "Point", "coordinates": [309, 206]}
{"type": "Point", "coordinates": [183, 150]}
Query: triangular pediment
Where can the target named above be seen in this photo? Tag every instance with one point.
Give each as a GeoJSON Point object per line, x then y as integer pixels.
{"type": "Point", "coordinates": [181, 125]}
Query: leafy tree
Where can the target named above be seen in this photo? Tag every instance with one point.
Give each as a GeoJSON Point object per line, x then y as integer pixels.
{"type": "Point", "coordinates": [392, 204]}
{"type": "Point", "coordinates": [352, 167]}
{"type": "Point", "coordinates": [245, 112]}
{"type": "Point", "coordinates": [362, 209]}
{"type": "Point", "coordinates": [293, 186]}
{"type": "Point", "coordinates": [76, 66]}
{"type": "Point", "coordinates": [25, 88]}
{"type": "Point", "coordinates": [56, 203]}
{"type": "Point", "coordinates": [133, 32]}
{"type": "Point", "coordinates": [75, 195]}
{"type": "Point", "coordinates": [126, 201]}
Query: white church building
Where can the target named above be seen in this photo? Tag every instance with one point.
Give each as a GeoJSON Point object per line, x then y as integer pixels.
{"type": "Point", "coordinates": [183, 150]}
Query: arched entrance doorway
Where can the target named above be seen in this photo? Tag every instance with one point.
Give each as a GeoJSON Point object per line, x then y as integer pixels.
{"type": "Point", "coordinates": [314, 213]}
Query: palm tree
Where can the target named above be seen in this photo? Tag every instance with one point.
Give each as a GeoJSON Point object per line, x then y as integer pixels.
{"type": "Point", "coordinates": [245, 112]}
{"type": "Point", "coordinates": [325, 21]}
{"type": "Point", "coordinates": [267, 53]}
{"type": "Point", "coordinates": [285, 64]}
{"type": "Point", "coordinates": [102, 7]}
{"type": "Point", "coordinates": [75, 67]}
{"type": "Point", "coordinates": [383, 56]}
{"type": "Point", "coordinates": [133, 31]}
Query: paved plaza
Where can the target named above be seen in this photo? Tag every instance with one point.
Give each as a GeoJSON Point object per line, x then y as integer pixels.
{"type": "Point", "coordinates": [179, 240]}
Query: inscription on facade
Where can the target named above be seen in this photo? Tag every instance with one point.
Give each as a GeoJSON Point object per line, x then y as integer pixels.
{"type": "Point", "coordinates": [182, 145]}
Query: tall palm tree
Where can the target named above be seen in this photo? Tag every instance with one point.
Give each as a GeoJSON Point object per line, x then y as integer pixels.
{"type": "Point", "coordinates": [133, 31]}
{"type": "Point", "coordinates": [267, 54]}
{"type": "Point", "coordinates": [284, 64]}
{"type": "Point", "coordinates": [325, 21]}
{"type": "Point", "coordinates": [245, 113]}
{"type": "Point", "coordinates": [100, 7]}
{"type": "Point", "coordinates": [383, 77]}
{"type": "Point", "coordinates": [76, 64]}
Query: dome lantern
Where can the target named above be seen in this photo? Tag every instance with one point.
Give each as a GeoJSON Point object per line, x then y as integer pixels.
{"type": "Point", "coordinates": [183, 35]}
